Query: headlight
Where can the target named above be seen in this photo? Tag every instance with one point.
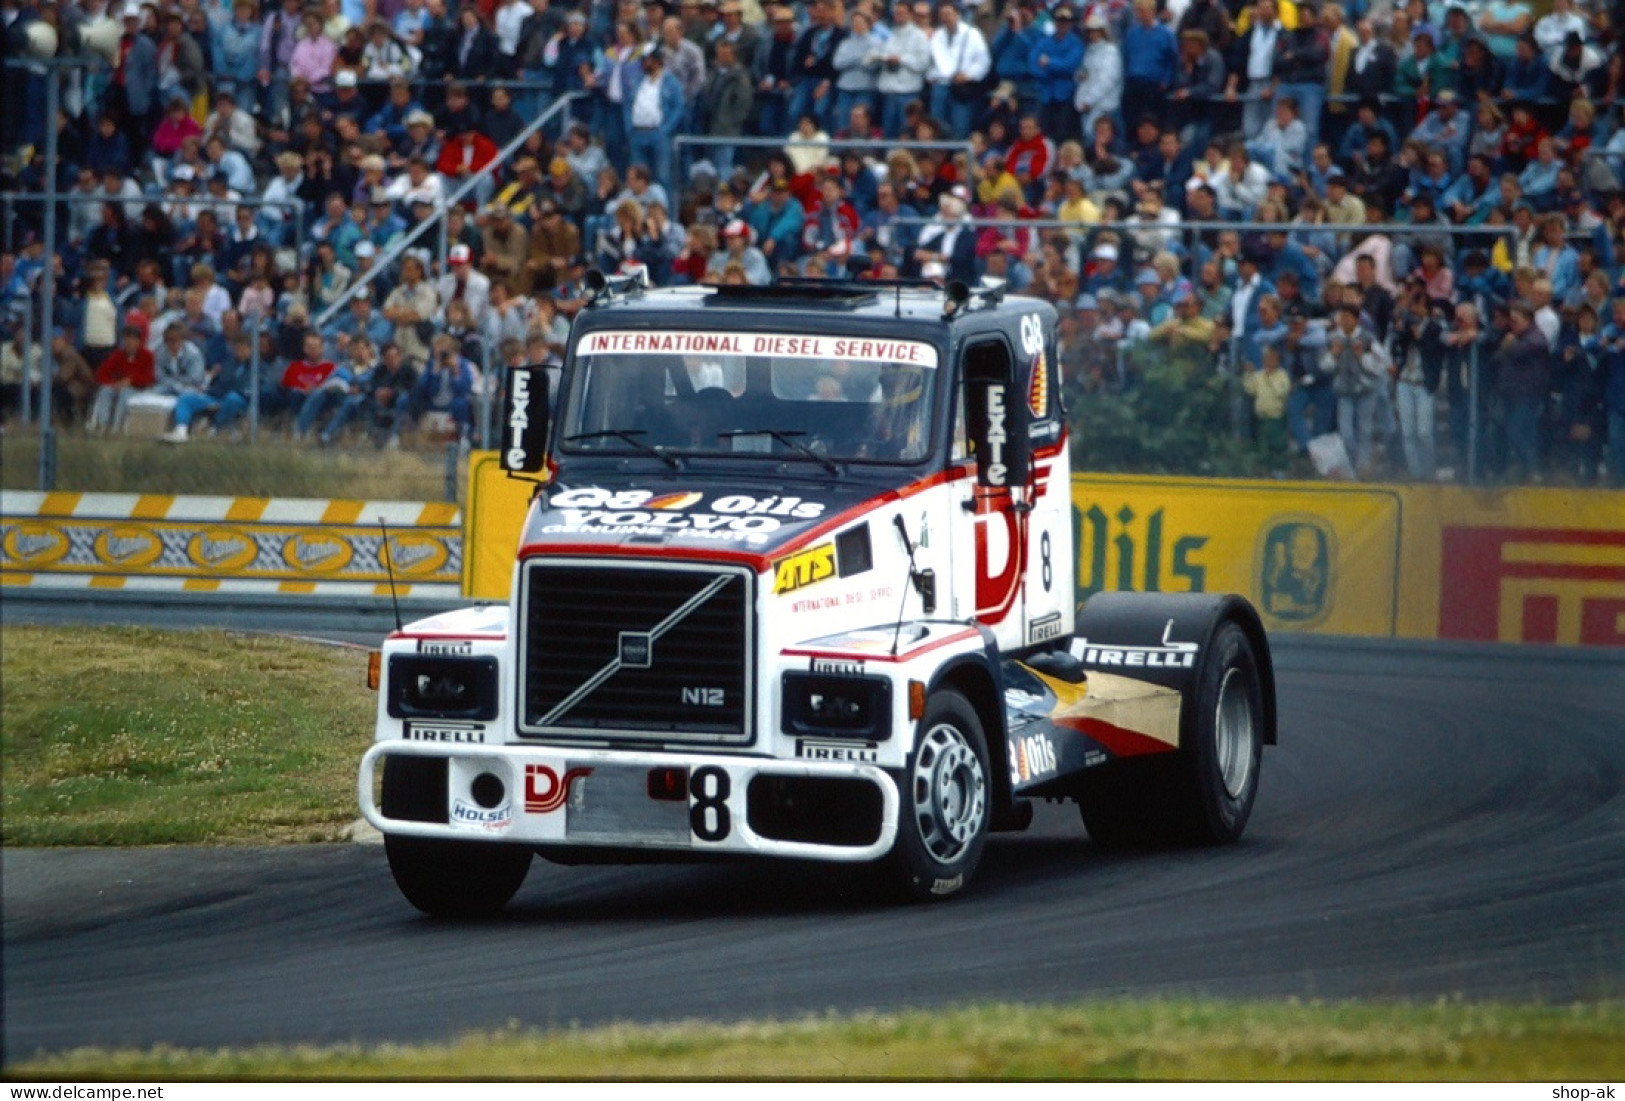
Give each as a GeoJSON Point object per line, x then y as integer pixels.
{"type": "Point", "coordinates": [442, 688]}
{"type": "Point", "coordinates": [842, 707]}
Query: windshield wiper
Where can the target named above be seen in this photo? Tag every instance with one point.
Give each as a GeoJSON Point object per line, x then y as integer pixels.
{"type": "Point", "coordinates": [629, 436]}
{"type": "Point", "coordinates": [788, 439]}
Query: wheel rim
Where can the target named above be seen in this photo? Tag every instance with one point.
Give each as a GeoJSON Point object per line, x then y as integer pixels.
{"type": "Point", "coordinates": [950, 792]}
{"type": "Point", "coordinates": [1233, 734]}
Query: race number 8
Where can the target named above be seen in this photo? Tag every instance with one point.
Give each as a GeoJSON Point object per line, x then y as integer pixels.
{"type": "Point", "coordinates": [1048, 568]}
{"type": "Point", "coordinates": [708, 816]}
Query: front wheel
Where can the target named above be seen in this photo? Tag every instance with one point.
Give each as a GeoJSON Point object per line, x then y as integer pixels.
{"type": "Point", "coordinates": [446, 879]}
{"type": "Point", "coordinates": [944, 811]}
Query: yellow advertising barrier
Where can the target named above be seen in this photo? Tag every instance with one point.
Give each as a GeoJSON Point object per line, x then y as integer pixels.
{"type": "Point", "coordinates": [1311, 558]}
{"type": "Point", "coordinates": [1523, 565]}
{"type": "Point", "coordinates": [162, 542]}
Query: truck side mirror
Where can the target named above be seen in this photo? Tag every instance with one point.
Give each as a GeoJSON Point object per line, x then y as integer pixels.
{"type": "Point", "coordinates": [995, 414]}
{"type": "Point", "coordinates": [524, 420]}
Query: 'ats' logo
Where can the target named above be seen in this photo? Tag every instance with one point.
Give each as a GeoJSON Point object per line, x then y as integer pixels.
{"type": "Point", "coordinates": [1295, 556]}
{"type": "Point", "coordinates": [805, 568]}
{"type": "Point", "coordinates": [1564, 586]}
{"type": "Point", "coordinates": [545, 792]}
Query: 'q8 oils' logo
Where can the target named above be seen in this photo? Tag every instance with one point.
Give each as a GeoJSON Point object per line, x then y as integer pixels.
{"type": "Point", "coordinates": [1295, 556]}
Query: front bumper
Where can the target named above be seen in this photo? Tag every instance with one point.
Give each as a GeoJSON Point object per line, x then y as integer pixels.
{"type": "Point", "coordinates": [586, 798]}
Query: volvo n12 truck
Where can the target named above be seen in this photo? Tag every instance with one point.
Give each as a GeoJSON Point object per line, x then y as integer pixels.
{"type": "Point", "coordinates": [797, 581]}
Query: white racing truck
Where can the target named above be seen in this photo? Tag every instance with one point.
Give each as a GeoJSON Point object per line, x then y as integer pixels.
{"type": "Point", "coordinates": [797, 581]}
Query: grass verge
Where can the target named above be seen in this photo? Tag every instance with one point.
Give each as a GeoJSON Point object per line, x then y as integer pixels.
{"type": "Point", "coordinates": [271, 468]}
{"type": "Point", "coordinates": [1197, 1041]}
{"type": "Point", "coordinates": [127, 736]}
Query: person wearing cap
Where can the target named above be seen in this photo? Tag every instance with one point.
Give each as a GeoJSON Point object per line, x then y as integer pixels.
{"type": "Point", "coordinates": [464, 283]}
{"type": "Point", "coordinates": [960, 62]}
{"type": "Point", "coordinates": [774, 72]}
{"type": "Point", "coordinates": [737, 248]}
{"type": "Point", "coordinates": [1100, 93]}
{"type": "Point", "coordinates": [554, 241]}
{"type": "Point", "coordinates": [1102, 271]}
{"type": "Point", "coordinates": [1446, 127]}
{"type": "Point", "coordinates": [419, 143]}
{"type": "Point", "coordinates": [745, 38]}
{"type": "Point", "coordinates": [504, 248]}
{"type": "Point", "coordinates": [776, 222]}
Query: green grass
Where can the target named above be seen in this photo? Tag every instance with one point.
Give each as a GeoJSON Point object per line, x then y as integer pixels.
{"type": "Point", "coordinates": [124, 736]}
{"type": "Point", "coordinates": [1202, 1041]}
{"type": "Point", "coordinates": [274, 467]}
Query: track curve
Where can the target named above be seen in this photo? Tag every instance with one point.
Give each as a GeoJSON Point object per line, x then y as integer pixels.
{"type": "Point", "coordinates": [1435, 822]}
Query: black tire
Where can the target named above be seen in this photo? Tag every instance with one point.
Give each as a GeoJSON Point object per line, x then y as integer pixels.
{"type": "Point", "coordinates": [1223, 743]}
{"type": "Point", "coordinates": [1204, 793]}
{"type": "Point", "coordinates": [445, 879]}
{"type": "Point", "coordinates": [946, 804]}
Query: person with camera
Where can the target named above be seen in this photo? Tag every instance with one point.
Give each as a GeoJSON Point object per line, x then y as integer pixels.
{"type": "Point", "coordinates": [1359, 367]}
{"type": "Point", "coordinates": [446, 389]}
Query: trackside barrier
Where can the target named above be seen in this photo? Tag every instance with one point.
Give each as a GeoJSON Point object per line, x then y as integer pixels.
{"type": "Point", "coordinates": [1385, 561]}
{"type": "Point", "coordinates": [157, 542]}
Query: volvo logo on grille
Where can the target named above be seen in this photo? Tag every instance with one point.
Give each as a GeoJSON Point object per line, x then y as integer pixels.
{"type": "Point", "coordinates": [637, 650]}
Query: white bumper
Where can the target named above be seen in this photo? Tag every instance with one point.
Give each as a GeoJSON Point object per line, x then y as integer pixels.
{"type": "Point", "coordinates": [585, 798]}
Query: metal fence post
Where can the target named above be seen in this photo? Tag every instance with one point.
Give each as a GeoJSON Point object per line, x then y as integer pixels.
{"type": "Point", "coordinates": [257, 327]}
{"type": "Point", "coordinates": [47, 430]}
{"type": "Point", "coordinates": [28, 348]}
{"type": "Point", "coordinates": [486, 384]}
{"type": "Point", "coordinates": [1473, 427]}
{"type": "Point", "coordinates": [452, 451]}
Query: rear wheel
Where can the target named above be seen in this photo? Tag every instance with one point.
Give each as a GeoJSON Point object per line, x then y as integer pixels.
{"type": "Point", "coordinates": [1204, 793]}
{"type": "Point", "coordinates": [449, 879]}
{"type": "Point", "coordinates": [946, 801]}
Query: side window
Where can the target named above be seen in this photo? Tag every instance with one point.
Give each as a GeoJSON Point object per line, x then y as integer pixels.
{"type": "Point", "coordinates": [961, 444]}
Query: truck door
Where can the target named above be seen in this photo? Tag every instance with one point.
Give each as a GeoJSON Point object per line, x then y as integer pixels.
{"type": "Point", "coordinates": [989, 474]}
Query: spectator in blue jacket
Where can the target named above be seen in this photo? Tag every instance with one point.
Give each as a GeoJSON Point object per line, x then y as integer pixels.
{"type": "Point", "coordinates": [447, 386]}
{"type": "Point", "coordinates": [777, 221]}
{"type": "Point", "coordinates": [1150, 57]}
{"type": "Point", "coordinates": [1012, 51]}
{"type": "Point", "coordinates": [1613, 392]}
{"type": "Point", "coordinates": [1055, 62]}
{"type": "Point", "coordinates": [236, 55]}
{"type": "Point", "coordinates": [653, 113]}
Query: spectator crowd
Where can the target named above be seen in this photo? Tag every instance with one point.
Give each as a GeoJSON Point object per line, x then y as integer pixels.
{"type": "Point", "coordinates": [1394, 232]}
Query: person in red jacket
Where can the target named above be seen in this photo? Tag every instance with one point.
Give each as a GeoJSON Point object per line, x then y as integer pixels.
{"type": "Point", "coordinates": [301, 378]}
{"type": "Point", "coordinates": [1030, 156]}
{"type": "Point", "coordinates": [129, 367]}
{"type": "Point", "coordinates": [462, 157]}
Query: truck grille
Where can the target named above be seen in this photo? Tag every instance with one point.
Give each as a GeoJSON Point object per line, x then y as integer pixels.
{"type": "Point", "coordinates": [648, 653]}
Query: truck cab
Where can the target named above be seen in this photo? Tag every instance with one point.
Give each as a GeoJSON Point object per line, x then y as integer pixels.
{"type": "Point", "coordinates": [796, 581]}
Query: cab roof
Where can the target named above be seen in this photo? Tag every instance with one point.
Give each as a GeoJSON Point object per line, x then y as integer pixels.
{"type": "Point", "coordinates": [916, 304]}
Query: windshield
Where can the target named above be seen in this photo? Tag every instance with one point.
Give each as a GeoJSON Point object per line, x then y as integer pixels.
{"type": "Point", "coordinates": [825, 399]}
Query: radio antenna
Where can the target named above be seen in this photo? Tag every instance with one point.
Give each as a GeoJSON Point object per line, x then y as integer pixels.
{"type": "Point", "coordinates": [389, 568]}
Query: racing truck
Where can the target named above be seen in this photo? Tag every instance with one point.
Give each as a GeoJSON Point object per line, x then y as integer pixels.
{"type": "Point", "coordinates": [797, 581]}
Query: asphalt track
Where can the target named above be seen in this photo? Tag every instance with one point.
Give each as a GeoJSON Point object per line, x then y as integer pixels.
{"type": "Point", "coordinates": [1436, 822]}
